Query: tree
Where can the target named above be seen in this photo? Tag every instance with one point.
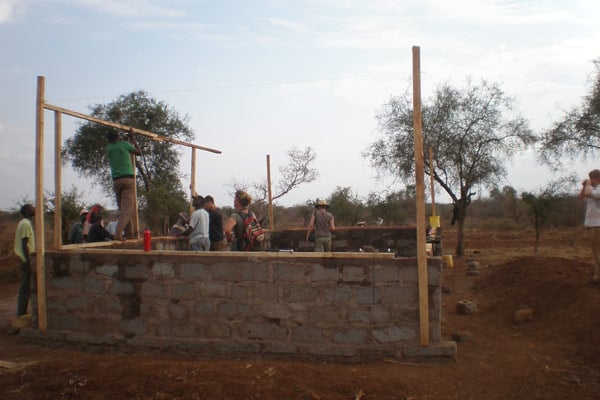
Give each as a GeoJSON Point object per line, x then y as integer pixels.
{"type": "Point", "coordinates": [395, 208]}
{"type": "Point", "coordinates": [578, 132]}
{"type": "Point", "coordinates": [297, 171]}
{"type": "Point", "coordinates": [472, 131]}
{"type": "Point", "coordinates": [545, 203]}
{"type": "Point", "coordinates": [508, 200]}
{"type": "Point", "coordinates": [160, 191]}
{"type": "Point", "coordinates": [347, 207]}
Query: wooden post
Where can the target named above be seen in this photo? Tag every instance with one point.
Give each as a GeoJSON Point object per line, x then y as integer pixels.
{"type": "Point", "coordinates": [57, 181]}
{"type": "Point", "coordinates": [39, 205]}
{"type": "Point", "coordinates": [420, 185]}
{"type": "Point", "coordinates": [432, 181]}
{"type": "Point", "coordinates": [271, 224]}
{"type": "Point", "coordinates": [136, 212]}
{"type": "Point", "coordinates": [192, 183]}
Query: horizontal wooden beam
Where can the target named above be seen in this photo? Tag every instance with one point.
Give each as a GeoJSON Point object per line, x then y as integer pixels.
{"type": "Point", "coordinates": [126, 128]}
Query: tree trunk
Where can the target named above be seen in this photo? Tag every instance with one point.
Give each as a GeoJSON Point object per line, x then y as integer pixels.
{"type": "Point", "coordinates": [460, 236]}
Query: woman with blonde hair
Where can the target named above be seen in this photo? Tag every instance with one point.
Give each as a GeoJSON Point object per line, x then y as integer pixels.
{"type": "Point", "coordinates": [234, 227]}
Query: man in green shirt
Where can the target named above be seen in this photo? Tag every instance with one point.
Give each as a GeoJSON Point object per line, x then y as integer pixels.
{"type": "Point", "coordinates": [24, 246]}
{"type": "Point", "coordinates": [119, 157]}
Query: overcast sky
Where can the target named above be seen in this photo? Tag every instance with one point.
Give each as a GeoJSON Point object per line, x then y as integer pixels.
{"type": "Point", "coordinates": [258, 77]}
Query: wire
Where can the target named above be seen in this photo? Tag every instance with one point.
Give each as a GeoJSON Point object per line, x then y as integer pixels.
{"type": "Point", "coordinates": [242, 85]}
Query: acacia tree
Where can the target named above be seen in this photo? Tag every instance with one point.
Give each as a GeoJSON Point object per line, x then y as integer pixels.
{"type": "Point", "coordinates": [472, 131]}
{"type": "Point", "coordinates": [161, 195]}
{"type": "Point", "coordinates": [546, 202]}
{"type": "Point", "coordinates": [296, 171]}
{"type": "Point", "coordinates": [578, 132]}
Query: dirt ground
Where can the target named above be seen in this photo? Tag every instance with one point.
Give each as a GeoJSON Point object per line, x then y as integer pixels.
{"type": "Point", "coordinates": [555, 355]}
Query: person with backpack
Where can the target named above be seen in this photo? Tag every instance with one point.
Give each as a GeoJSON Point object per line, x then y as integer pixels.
{"type": "Point", "coordinates": [322, 223]}
{"type": "Point", "coordinates": [242, 228]}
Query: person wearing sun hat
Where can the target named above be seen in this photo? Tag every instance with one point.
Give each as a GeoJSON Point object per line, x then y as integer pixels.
{"type": "Point", "coordinates": [322, 222]}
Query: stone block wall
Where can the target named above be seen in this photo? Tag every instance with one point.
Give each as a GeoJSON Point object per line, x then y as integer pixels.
{"type": "Point", "coordinates": [341, 305]}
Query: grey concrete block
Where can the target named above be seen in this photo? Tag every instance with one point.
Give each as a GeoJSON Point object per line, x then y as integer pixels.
{"type": "Point", "coordinates": [263, 331]}
{"type": "Point", "coordinates": [268, 292]}
{"type": "Point", "coordinates": [93, 284]}
{"type": "Point", "coordinates": [337, 295]}
{"type": "Point", "coordinates": [163, 270]}
{"type": "Point", "coordinates": [366, 295]}
{"type": "Point", "coordinates": [255, 272]}
{"type": "Point", "coordinates": [152, 289]}
{"type": "Point", "coordinates": [132, 326]}
{"type": "Point", "coordinates": [110, 270]}
{"type": "Point", "coordinates": [276, 311]}
{"type": "Point", "coordinates": [211, 289]}
{"type": "Point", "coordinates": [180, 330]}
{"type": "Point", "coordinates": [138, 272]}
{"type": "Point", "coordinates": [359, 315]}
{"type": "Point", "coordinates": [225, 272]}
{"type": "Point", "coordinates": [178, 311]}
{"type": "Point", "coordinates": [193, 271]}
{"type": "Point", "coordinates": [350, 336]}
{"type": "Point", "coordinates": [239, 292]}
{"type": "Point", "coordinates": [64, 284]}
{"type": "Point", "coordinates": [394, 334]}
{"type": "Point", "coordinates": [305, 333]}
{"type": "Point", "coordinates": [183, 291]}
{"type": "Point", "coordinates": [319, 273]}
{"type": "Point", "coordinates": [234, 310]}
{"type": "Point", "coordinates": [353, 274]}
{"type": "Point", "coordinates": [405, 295]}
{"type": "Point", "coordinates": [323, 315]}
{"type": "Point", "coordinates": [300, 294]}
{"type": "Point", "coordinates": [379, 314]}
{"type": "Point", "coordinates": [385, 273]}
{"type": "Point", "coordinates": [119, 287]}
{"type": "Point", "coordinates": [291, 273]}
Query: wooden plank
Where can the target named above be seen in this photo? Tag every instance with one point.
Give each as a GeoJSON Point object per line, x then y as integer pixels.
{"type": "Point", "coordinates": [138, 131]}
{"type": "Point", "coordinates": [271, 224]}
{"type": "Point", "coordinates": [420, 200]}
{"type": "Point", "coordinates": [39, 204]}
{"type": "Point", "coordinates": [57, 180]}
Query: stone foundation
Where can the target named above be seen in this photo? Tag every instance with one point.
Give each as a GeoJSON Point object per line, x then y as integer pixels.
{"type": "Point", "coordinates": [352, 306]}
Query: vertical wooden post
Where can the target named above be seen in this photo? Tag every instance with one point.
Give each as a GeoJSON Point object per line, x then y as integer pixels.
{"type": "Point", "coordinates": [57, 181]}
{"type": "Point", "coordinates": [420, 184]}
{"type": "Point", "coordinates": [271, 224]}
{"type": "Point", "coordinates": [192, 182]}
{"type": "Point", "coordinates": [39, 205]}
{"type": "Point", "coordinates": [432, 181]}
{"type": "Point", "coordinates": [136, 211]}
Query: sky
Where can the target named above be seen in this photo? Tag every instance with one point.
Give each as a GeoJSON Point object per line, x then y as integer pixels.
{"type": "Point", "coordinates": [260, 77]}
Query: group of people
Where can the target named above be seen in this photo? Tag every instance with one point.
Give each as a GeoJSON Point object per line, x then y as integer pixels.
{"type": "Point", "coordinates": [90, 227]}
{"type": "Point", "coordinates": [207, 229]}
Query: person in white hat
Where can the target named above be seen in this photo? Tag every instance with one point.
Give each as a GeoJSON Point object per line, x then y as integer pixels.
{"type": "Point", "coordinates": [322, 222]}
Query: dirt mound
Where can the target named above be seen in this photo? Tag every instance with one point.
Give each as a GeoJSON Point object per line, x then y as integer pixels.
{"type": "Point", "coordinates": [558, 291]}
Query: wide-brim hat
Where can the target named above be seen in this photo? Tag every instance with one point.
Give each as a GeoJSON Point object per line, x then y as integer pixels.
{"type": "Point", "coordinates": [322, 203]}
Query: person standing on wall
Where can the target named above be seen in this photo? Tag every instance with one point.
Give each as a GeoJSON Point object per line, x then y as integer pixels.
{"type": "Point", "coordinates": [119, 154]}
{"type": "Point", "coordinates": [215, 227]}
{"type": "Point", "coordinates": [24, 247]}
{"type": "Point", "coordinates": [590, 193]}
{"type": "Point", "coordinates": [199, 226]}
{"type": "Point", "coordinates": [322, 223]}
